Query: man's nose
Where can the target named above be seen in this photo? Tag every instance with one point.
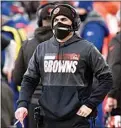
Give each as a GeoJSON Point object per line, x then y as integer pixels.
{"type": "Point", "coordinates": [60, 20]}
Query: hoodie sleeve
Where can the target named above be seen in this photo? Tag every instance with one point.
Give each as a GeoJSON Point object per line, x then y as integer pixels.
{"type": "Point", "coordinates": [103, 75]}
{"type": "Point", "coordinates": [30, 80]}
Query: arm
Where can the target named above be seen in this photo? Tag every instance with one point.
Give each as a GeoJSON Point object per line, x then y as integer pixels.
{"type": "Point", "coordinates": [103, 74]}
{"type": "Point", "coordinates": [30, 81]}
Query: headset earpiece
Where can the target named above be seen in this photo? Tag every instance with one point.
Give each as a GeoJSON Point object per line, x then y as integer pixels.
{"type": "Point", "coordinates": [39, 10]}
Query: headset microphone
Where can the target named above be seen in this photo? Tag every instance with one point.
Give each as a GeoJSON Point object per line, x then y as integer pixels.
{"type": "Point", "coordinates": [68, 29]}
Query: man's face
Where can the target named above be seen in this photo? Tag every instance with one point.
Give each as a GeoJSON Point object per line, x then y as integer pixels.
{"type": "Point", "coordinates": [62, 19]}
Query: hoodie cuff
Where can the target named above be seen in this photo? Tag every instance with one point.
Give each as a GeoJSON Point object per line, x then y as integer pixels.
{"type": "Point", "coordinates": [90, 105]}
{"type": "Point", "coordinates": [22, 104]}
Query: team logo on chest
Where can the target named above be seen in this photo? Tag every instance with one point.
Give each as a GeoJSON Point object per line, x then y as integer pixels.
{"type": "Point", "coordinates": [66, 63]}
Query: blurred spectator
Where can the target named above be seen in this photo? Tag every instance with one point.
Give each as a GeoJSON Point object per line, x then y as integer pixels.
{"type": "Point", "coordinates": [15, 25]}
{"type": "Point", "coordinates": [42, 33]}
{"type": "Point", "coordinates": [113, 103]}
{"type": "Point", "coordinates": [7, 109]}
{"type": "Point", "coordinates": [93, 26]}
{"type": "Point", "coordinates": [10, 47]}
{"type": "Point", "coordinates": [107, 10]}
{"type": "Point", "coordinates": [14, 34]}
{"type": "Point", "coordinates": [114, 60]}
{"type": "Point", "coordinates": [30, 7]}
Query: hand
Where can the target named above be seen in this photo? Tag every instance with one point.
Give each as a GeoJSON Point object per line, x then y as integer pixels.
{"type": "Point", "coordinates": [84, 111]}
{"type": "Point", "coordinates": [20, 114]}
{"type": "Point", "coordinates": [110, 104]}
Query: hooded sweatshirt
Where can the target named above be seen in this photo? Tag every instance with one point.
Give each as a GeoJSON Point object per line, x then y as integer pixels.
{"type": "Point", "coordinates": [66, 73]}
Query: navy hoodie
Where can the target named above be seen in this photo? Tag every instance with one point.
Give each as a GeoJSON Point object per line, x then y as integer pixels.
{"type": "Point", "coordinates": [66, 73]}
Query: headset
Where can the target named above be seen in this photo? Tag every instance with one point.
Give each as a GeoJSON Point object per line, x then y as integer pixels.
{"type": "Point", "coordinates": [39, 10]}
{"type": "Point", "coordinates": [76, 23]}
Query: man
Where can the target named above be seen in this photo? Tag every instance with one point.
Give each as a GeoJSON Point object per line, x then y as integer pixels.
{"type": "Point", "coordinates": [65, 64]}
{"type": "Point", "coordinates": [42, 33]}
{"type": "Point", "coordinates": [113, 103]}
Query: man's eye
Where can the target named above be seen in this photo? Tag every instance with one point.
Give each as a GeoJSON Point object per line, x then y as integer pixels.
{"type": "Point", "coordinates": [55, 20]}
{"type": "Point", "coordinates": [63, 19]}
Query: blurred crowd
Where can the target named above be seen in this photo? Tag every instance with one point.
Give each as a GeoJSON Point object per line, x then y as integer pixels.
{"type": "Point", "coordinates": [20, 20]}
